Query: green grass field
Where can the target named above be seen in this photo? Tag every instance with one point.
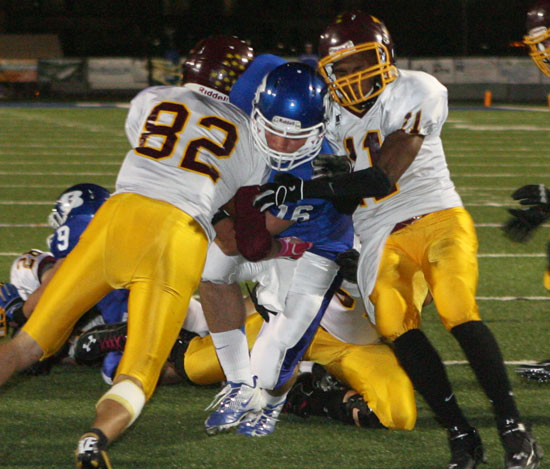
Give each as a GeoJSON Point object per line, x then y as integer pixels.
{"type": "Point", "coordinates": [490, 153]}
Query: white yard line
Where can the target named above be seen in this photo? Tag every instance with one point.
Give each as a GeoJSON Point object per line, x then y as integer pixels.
{"type": "Point", "coordinates": [513, 362]}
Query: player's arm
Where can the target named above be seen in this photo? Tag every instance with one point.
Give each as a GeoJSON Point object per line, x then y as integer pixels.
{"type": "Point", "coordinates": [396, 155]}
{"type": "Point", "coordinates": [254, 230]}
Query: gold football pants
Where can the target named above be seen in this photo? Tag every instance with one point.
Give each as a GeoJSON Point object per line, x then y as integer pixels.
{"type": "Point", "coordinates": [148, 246]}
{"type": "Point", "coordinates": [439, 252]}
{"type": "Point", "coordinates": [372, 370]}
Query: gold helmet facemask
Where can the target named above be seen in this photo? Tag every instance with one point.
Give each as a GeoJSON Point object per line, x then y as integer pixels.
{"type": "Point", "coordinates": [538, 41]}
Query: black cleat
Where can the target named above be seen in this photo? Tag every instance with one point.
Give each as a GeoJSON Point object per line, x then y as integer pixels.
{"type": "Point", "coordinates": [521, 449]}
{"type": "Point", "coordinates": [466, 449]}
{"type": "Point", "coordinates": [537, 372]}
{"type": "Point", "coordinates": [99, 341]}
{"type": "Point", "coordinates": [89, 455]}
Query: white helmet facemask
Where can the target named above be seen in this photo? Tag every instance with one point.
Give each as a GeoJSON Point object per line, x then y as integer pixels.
{"type": "Point", "coordinates": [288, 129]}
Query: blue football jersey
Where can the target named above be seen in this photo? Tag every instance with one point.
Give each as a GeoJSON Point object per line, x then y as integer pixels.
{"type": "Point", "coordinates": [66, 236]}
{"type": "Point", "coordinates": [115, 304]}
{"type": "Point", "coordinates": [330, 231]}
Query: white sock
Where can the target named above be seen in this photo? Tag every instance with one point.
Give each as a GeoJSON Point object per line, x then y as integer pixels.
{"type": "Point", "coordinates": [232, 350]}
{"type": "Point", "coordinates": [273, 400]}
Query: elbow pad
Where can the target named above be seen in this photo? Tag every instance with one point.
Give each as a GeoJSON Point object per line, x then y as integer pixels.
{"type": "Point", "coordinates": [370, 182]}
{"type": "Point", "coordinates": [253, 239]}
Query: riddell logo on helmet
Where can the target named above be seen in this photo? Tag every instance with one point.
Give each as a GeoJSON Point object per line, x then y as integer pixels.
{"type": "Point", "coordinates": [213, 94]}
{"type": "Point", "coordinates": [345, 45]}
{"type": "Point", "coordinates": [286, 122]}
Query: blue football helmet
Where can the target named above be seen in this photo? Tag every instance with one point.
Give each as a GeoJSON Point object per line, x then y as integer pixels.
{"type": "Point", "coordinates": [290, 103]}
{"type": "Point", "coordinates": [80, 199]}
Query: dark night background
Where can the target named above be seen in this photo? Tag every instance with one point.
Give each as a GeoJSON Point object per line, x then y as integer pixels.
{"type": "Point", "coordinates": [420, 28]}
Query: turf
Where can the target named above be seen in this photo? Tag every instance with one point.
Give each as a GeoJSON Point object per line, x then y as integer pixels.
{"type": "Point", "coordinates": [490, 153]}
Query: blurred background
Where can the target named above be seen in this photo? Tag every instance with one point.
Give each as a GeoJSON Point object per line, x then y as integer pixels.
{"type": "Point", "coordinates": [152, 36]}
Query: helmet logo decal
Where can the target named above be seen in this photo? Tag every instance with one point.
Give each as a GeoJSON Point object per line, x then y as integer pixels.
{"type": "Point", "coordinates": [71, 200]}
{"type": "Point", "coordinates": [345, 45]}
{"type": "Point", "coordinates": [290, 124]}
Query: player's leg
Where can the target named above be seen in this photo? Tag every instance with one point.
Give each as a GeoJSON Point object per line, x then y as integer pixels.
{"type": "Point", "coordinates": [225, 313]}
{"type": "Point", "coordinates": [398, 296]}
{"type": "Point", "coordinates": [452, 271]}
{"type": "Point", "coordinates": [200, 362]}
{"type": "Point", "coordinates": [374, 372]}
{"type": "Point", "coordinates": [283, 341]}
{"type": "Point", "coordinates": [161, 276]}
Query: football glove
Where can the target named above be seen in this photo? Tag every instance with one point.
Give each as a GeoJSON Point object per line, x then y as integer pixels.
{"type": "Point", "coordinates": [524, 222]}
{"type": "Point", "coordinates": [285, 188]}
{"type": "Point", "coordinates": [292, 248]}
{"type": "Point", "coordinates": [262, 310]}
{"type": "Point", "coordinates": [533, 194]}
{"type": "Point", "coordinates": [348, 264]}
{"type": "Point", "coordinates": [11, 304]}
{"type": "Point", "coordinates": [326, 165]}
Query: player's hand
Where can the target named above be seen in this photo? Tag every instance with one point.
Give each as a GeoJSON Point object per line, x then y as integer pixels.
{"type": "Point", "coordinates": [292, 247]}
{"type": "Point", "coordinates": [286, 188]}
{"type": "Point", "coordinates": [348, 261]}
{"type": "Point", "coordinates": [326, 165]}
{"type": "Point", "coordinates": [10, 302]}
{"type": "Point", "coordinates": [524, 222]}
{"type": "Point", "coordinates": [533, 194]}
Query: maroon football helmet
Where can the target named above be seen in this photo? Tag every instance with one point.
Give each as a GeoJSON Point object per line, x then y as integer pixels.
{"type": "Point", "coordinates": [538, 35]}
{"type": "Point", "coordinates": [356, 32]}
{"type": "Point", "coordinates": [217, 62]}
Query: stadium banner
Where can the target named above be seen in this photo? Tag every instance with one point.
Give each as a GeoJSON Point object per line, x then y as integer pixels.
{"type": "Point", "coordinates": [518, 71]}
{"type": "Point", "coordinates": [443, 68]}
{"type": "Point", "coordinates": [120, 73]}
{"type": "Point", "coordinates": [476, 70]}
{"type": "Point", "coordinates": [61, 70]}
{"type": "Point", "coordinates": [18, 70]}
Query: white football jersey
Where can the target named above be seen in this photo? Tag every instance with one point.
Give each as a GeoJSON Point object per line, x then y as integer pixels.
{"type": "Point", "coordinates": [346, 318]}
{"type": "Point", "coordinates": [27, 269]}
{"type": "Point", "coordinates": [416, 103]}
{"type": "Point", "coordinates": [190, 148]}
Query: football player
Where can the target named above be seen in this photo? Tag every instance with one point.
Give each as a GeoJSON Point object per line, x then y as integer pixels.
{"type": "Point", "coordinates": [30, 273]}
{"type": "Point", "coordinates": [190, 152]}
{"type": "Point", "coordinates": [415, 233]}
{"type": "Point", "coordinates": [288, 123]}
{"type": "Point", "coordinates": [524, 222]}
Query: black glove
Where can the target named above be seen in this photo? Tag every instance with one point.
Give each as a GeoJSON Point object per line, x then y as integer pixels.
{"type": "Point", "coordinates": [262, 310]}
{"type": "Point", "coordinates": [285, 188]}
{"type": "Point", "coordinates": [325, 165]}
{"type": "Point", "coordinates": [524, 222]}
{"type": "Point", "coordinates": [533, 194]}
{"type": "Point", "coordinates": [348, 264]}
